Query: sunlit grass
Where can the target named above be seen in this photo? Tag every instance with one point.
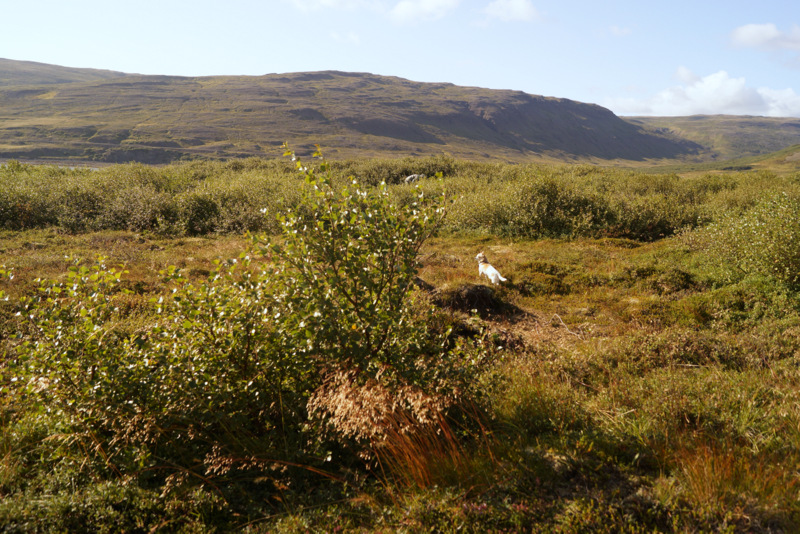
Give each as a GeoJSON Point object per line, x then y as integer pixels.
{"type": "Point", "coordinates": [634, 385]}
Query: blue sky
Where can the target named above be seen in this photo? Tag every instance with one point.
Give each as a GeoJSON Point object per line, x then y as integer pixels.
{"type": "Point", "coordinates": [634, 57]}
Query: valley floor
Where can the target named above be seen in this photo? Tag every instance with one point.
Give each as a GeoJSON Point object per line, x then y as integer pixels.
{"type": "Point", "coordinates": [636, 387]}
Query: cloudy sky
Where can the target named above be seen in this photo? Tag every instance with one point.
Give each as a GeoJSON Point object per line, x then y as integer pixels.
{"type": "Point", "coordinates": [637, 58]}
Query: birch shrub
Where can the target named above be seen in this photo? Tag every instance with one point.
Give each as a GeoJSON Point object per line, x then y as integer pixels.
{"type": "Point", "coordinates": [765, 240]}
{"type": "Point", "coordinates": [233, 377]}
{"type": "Point", "coordinates": [346, 267]}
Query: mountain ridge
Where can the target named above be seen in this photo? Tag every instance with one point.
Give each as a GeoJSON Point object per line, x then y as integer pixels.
{"type": "Point", "coordinates": [14, 72]}
{"type": "Point", "coordinates": [58, 113]}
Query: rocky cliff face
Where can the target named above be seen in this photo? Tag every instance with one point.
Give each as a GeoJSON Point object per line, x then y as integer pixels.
{"type": "Point", "coordinates": [554, 126]}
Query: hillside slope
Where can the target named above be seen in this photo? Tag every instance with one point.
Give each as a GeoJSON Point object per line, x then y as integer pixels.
{"type": "Point", "coordinates": [25, 73]}
{"type": "Point", "coordinates": [728, 136]}
{"type": "Point", "coordinates": [103, 116]}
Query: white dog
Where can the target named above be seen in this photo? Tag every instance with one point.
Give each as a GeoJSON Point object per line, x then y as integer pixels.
{"type": "Point", "coordinates": [486, 269]}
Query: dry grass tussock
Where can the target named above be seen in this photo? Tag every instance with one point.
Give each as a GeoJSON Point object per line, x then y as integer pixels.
{"type": "Point", "coordinates": [372, 411]}
{"type": "Point", "coordinates": [406, 430]}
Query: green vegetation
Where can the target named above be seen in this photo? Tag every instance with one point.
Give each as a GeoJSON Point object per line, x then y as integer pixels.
{"type": "Point", "coordinates": [343, 368]}
{"type": "Point", "coordinates": [764, 240]}
{"type": "Point", "coordinates": [729, 136]}
{"type": "Point", "coordinates": [532, 200]}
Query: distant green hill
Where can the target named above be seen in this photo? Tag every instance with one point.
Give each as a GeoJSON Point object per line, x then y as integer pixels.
{"type": "Point", "coordinates": [727, 136]}
{"type": "Point", "coordinates": [52, 113]}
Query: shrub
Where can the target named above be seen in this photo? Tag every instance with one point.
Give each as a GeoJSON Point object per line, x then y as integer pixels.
{"type": "Point", "coordinates": [246, 197]}
{"type": "Point", "coordinates": [138, 209]}
{"type": "Point", "coordinates": [373, 172]}
{"type": "Point", "coordinates": [109, 507]}
{"type": "Point", "coordinates": [526, 201]}
{"type": "Point", "coordinates": [218, 387]}
{"type": "Point", "coordinates": [574, 201]}
{"type": "Point", "coordinates": [551, 208]}
{"type": "Point", "coordinates": [765, 240]}
{"type": "Point", "coordinates": [517, 200]}
{"type": "Point", "coordinates": [345, 269]}
{"type": "Point", "coordinates": [197, 212]}
{"type": "Point", "coordinates": [21, 209]}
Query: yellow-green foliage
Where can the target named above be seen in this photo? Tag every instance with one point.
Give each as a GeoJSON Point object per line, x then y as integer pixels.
{"type": "Point", "coordinates": [190, 199]}
{"type": "Point", "coordinates": [764, 240]}
{"type": "Point", "coordinates": [509, 200]}
{"type": "Point", "coordinates": [586, 201]}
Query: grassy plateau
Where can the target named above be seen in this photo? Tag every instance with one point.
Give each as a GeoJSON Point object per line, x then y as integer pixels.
{"type": "Point", "coordinates": [297, 345]}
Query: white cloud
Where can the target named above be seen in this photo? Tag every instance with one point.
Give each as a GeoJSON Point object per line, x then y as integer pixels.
{"type": "Point", "coordinates": [783, 103]}
{"type": "Point", "coordinates": [716, 93]}
{"type": "Point", "coordinates": [686, 76]}
{"type": "Point", "coordinates": [511, 10]}
{"type": "Point", "coordinates": [408, 11]}
{"type": "Point", "coordinates": [766, 37]}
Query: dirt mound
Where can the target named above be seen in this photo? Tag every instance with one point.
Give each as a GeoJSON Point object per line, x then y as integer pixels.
{"type": "Point", "coordinates": [468, 297]}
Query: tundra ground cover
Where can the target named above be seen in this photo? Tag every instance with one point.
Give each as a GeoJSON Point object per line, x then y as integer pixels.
{"type": "Point", "coordinates": [628, 377]}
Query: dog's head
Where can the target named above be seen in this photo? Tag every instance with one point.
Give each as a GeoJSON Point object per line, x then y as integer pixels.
{"type": "Point", "coordinates": [481, 257]}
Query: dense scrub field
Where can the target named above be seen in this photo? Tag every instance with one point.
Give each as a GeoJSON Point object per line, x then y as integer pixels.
{"type": "Point", "coordinates": [529, 201]}
{"type": "Point", "coordinates": [344, 368]}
